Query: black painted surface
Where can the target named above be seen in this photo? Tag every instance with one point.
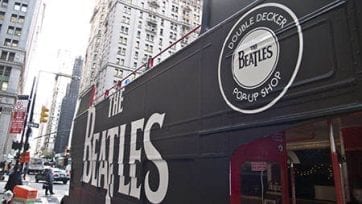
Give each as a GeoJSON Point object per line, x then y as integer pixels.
{"type": "Point", "coordinates": [200, 131]}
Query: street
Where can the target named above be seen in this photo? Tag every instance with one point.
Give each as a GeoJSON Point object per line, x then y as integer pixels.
{"type": "Point", "coordinates": [59, 189]}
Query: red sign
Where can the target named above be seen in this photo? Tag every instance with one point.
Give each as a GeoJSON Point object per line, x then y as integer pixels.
{"type": "Point", "coordinates": [18, 117]}
{"type": "Point", "coordinates": [16, 127]}
{"type": "Point", "coordinates": [258, 166]}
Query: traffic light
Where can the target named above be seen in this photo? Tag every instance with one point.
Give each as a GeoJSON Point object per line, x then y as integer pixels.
{"type": "Point", "coordinates": [16, 145]}
{"type": "Point", "coordinates": [44, 114]}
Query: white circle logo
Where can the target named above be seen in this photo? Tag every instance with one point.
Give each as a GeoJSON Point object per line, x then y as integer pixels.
{"type": "Point", "coordinates": [260, 58]}
{"type": "Point", "coordinates": [255, 58]}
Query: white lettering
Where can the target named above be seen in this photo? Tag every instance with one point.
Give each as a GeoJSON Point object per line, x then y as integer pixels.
{"type": "Point", "coordinates": [153, 155]}
{"type": "Point", "coordinates": [135, 155]}
{"type": "Point", "coordinates": [99, 155]}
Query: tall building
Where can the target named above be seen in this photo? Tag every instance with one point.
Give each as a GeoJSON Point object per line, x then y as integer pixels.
{"type": "Point", "coordinates": [67, 109]}
{"type": "Point", "coordinates": [18, 23]}
{"type": "Point", "coordinates": [61, 79]}
{"type": "Point", "coordinates": [126, 33]}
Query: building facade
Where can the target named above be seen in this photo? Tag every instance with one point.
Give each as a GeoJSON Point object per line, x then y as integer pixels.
{"type": "Point", "coordinates": [18, 20]}
{"type": "Point", "coordinates": [126, 33]}
{"type": "Point", "coordinates": [67, 109]}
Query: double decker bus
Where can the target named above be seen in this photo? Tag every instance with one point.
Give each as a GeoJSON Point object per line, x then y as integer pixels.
{"type": "Point", "coordinates": [264, 107]}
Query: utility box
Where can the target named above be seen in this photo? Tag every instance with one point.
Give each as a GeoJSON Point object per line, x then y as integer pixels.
{"type": "Point", "coordinates": [24, 193]}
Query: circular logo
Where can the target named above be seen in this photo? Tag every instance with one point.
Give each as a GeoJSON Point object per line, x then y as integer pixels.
{"type": "Point", "coordinates": [260, 58]}
{"type": "Point", "coordinates": [255, 58]}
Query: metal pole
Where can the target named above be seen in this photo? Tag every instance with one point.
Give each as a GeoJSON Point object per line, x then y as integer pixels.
{"type": "Point", "coordinates": [336, 167]}
{"type": "Point", "coordinates": [27, 118]}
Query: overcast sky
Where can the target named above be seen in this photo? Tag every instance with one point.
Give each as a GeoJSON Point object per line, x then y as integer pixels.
{"type": "Point", "coordinates": [66, 27]}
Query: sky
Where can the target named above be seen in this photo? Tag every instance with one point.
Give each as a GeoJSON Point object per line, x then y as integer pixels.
{"type": "Point", "coordinates": [66, 27]}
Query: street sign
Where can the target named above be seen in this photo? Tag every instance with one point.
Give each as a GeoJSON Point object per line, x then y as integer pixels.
{"type": "Point", "coordinates": [34, 125]}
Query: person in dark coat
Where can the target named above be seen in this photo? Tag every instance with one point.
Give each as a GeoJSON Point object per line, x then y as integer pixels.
{"type": "Point", "coordinates": [14, 179]}
{"type": "Point", "coordinates": [49, 178]}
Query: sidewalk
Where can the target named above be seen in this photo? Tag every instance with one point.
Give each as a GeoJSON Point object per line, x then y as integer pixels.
{"type": "Point", "coordinates": [41, 199]}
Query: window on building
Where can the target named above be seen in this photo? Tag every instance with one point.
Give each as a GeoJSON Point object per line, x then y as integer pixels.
{"type": "Point", "coordinates": [161, 31]}
{"type": "Point", "coordinates": [4, 55]}
{"type": "Point", "coordinates": [160, 42]}
{"type": "Point", "coordinates": [7, 42]}
{"type": "Point", "coordinates": [10, 30]}
{"type": "Point", "coordinates": [18, 31]}
{"type": "Point", "coordinates": [4, 3]}
{"type": "Point", "coordinates": [135, 64]}
{"type": "Point", "coordinates": [21, 19]}
{"type": "Point", "coordinates": [149, 37]}
{"type": "Point", "coordinates": [173, 26]}
{"type": "Point", "coordinates": [126, 19]}
{"type": "Point", "coordinates": [123, 40]}
{"type": "Point", "coordinates": [11, 57]}
{"type": "Point", "coordinates": [5, 72]}
{"type": "Point", "coordinates": [118, 73]}
{"type": "Point", "coordinates": [2, 15]}
{"type": "Point", "coordinates": [15, 43]}
{"type": "Point", "coordinates": [138, 34]}
{"type": "Point", "coordinates": [141, 14]}
{"type": "Point", "coordinates": [136, 54]}
{"type": "Point", "coordinates": [137, 44]}
{"type": "Point", "coordinates": [14, 18]}
{"type": "Point", "coordinates": [24, 8]}
{"type": "Point", "coordinates": [121, 62]}
{"type": "Point", "coordinates": [17, 6]}
{"type": "Point", "coordinates": [124, 29]}
{"type": "Point", "coordinates": [149, 48]}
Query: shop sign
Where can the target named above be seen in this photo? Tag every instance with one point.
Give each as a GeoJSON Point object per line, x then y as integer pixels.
{"type": "Point", "coordinates": [260, 58]}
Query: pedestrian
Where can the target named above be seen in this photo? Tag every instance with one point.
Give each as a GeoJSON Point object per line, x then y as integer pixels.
{"type": "Point", "coordinates": [14, 179]}
{"type": "Point", "coordinates": [49, 178]}
{"type": "Point", "coordinates": [25, 170]}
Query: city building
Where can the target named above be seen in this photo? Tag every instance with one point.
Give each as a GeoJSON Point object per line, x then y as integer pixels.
{"type": "Point", "coordinates": [126, 33]}
{"type": "Point", "coordinates": [18, 30]}
{"type": "Point", "coordinates": [67, 109]}
{"type": "Point", "coordinates": [60, 83]}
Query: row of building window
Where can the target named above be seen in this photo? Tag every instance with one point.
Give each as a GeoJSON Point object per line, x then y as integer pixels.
{"type": "Point", "coordinates": [17, 6]}
{"type": "Point", "coordinates": [14, 18]}
{"type": "Point", "coordinates": [7, 56]}
{"type": "Point", "coordinates": [17, 18]}
{"type": "Point", "coordinates": [14, 31]}
{"type": "Point", "coordinates": [11, 42]}
{"type": "Point", "coordinates": [20, 7]}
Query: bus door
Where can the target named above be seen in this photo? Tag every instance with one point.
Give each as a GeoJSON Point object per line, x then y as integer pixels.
{"type": "Point", "coordinates": [259, 172]}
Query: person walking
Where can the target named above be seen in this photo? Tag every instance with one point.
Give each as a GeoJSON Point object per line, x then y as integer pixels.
{"type": "Point", "coordinates": [14, 179]}
{"type": "Point", "coordinates": [49, 178]}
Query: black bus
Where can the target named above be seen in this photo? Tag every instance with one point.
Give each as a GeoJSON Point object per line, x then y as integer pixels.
{"type": "Point", "coordinates": [264, 107]}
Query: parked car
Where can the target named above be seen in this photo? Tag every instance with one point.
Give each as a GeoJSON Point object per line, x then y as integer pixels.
{"type": "Point", "coordinates": [59, 175]}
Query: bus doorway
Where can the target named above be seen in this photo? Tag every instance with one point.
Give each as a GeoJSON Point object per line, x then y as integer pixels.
{"type": "Point", "coordinates": [259, 172]}
{"type": "Point", "coordinates": [315, 162]}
